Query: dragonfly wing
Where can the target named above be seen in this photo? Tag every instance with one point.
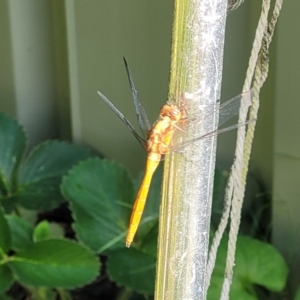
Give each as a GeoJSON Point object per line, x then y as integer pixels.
{"type": "Point", "coordinates": [222, 130]}
{"type": "Point", "coordinates": [212, 133]}
{"type": "Point", "coordinates": [231, 107]}
{"type": "Point", "coordinates": [122, 117]}
{"type": "Point", "coordinates": [140, 111]}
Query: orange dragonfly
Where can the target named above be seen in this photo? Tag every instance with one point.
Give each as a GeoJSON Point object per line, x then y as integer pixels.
{"type": "Point", "coordinates": [157, 138]}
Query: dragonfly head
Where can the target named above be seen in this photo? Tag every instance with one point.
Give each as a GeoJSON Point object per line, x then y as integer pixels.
{"type": "Point", "coordinates": [172, 111]}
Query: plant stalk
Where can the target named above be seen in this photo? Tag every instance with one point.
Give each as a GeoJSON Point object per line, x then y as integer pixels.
{"type": "Point", "coordinates": [196, 68]}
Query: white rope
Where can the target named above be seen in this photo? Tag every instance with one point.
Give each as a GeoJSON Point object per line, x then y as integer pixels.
{"type": "Point", "coordinates": [240, 167]}
{"type": "Point", "coordinates": [237, 169]}
{"type": "Point", "coordinates": [258, 65]}
{"type": "Point", "coordinates": [219, 234]}
{"type": "Point", "coordinates": [261, 73]}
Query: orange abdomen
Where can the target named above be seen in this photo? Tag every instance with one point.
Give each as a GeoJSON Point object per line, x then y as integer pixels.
{"type": "Point", "coordinates": [139, 204]}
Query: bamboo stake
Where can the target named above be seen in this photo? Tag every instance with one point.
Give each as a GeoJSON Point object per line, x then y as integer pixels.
{"type": "Point", "coordinates": [196, 68]}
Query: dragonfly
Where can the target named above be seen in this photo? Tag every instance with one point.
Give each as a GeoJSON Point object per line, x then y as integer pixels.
{"type": "Point", "coordinates": [156, 139]}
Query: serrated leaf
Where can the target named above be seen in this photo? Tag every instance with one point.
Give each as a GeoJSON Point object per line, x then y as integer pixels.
{"type": "Point", "coordinates": [133, 269]}
{"type": "Point", "coordinates": [256, 263]}
{"type": "Point", "coordinates": [21, 232]}
{"type": "Point", "coordinates": [12, 146]}
{"type": "Point", "coordinates": [40, 175]}
{"type": "Point", "coordinates": [55, 263]}
{"type": "Point", "coordinates": [5, 235]}
{"type": "Point", "coordinates": [6, 278]}
{"type": "Point", "coordinates": [99, 192]}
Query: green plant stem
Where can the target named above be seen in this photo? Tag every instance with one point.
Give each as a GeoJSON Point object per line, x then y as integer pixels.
{"type": "Point", "coordinates": [196, 67]}
{"type": "Point", "coordinates": [64, 294]}
{"type": "Point", "coordinates": [42, 293]}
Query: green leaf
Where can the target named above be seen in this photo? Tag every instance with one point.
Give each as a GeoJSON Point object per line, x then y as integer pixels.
{"type": "Point", "coordinates": [149, 244]}
{"type": "Point", "coordinates": [6, 278]}
{"type": "Point", "coordinates": [5, 235]}
{"type": "Point", "coordinates": [133, 269]}
{"type": "Point", "coordinates": [41, 231]}
{"type": "Point", "coordinates": [40, 175]}
{"type": "Point", "coordinates": [12, 146]}
{"type": "Point", "coordinates": [45, 231]}
{"type": "Point", "coordinates": [21, 232]}
{"type": "Point", "coordinates": [55, 263]}
{"type": "Point", "coordinates": [256, 263]}
{"type": "Point", "coordinates": [99, 192]}
{"type": "Point", "coordinates": [266, 268]}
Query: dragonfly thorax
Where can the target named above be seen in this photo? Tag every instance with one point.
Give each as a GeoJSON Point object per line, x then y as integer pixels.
{"type": "Point", "coordinates": [172, 111]}
{"type": "Point", "coordinates": [159, 137]}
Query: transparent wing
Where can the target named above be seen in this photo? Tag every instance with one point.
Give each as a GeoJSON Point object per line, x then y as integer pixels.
{"type": "Point", "coordinates": [228, 109]}
{"type": "Point", "coordinates": [122, 117]}
{"type": "Point", "coordinates": [222, 130]}
{"type": "Point", "coordinates": [212, 133]}
{"type": "Point", "coordinates": [140, 111]}
{"type": "Point", "coordinates": [231, 107]}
